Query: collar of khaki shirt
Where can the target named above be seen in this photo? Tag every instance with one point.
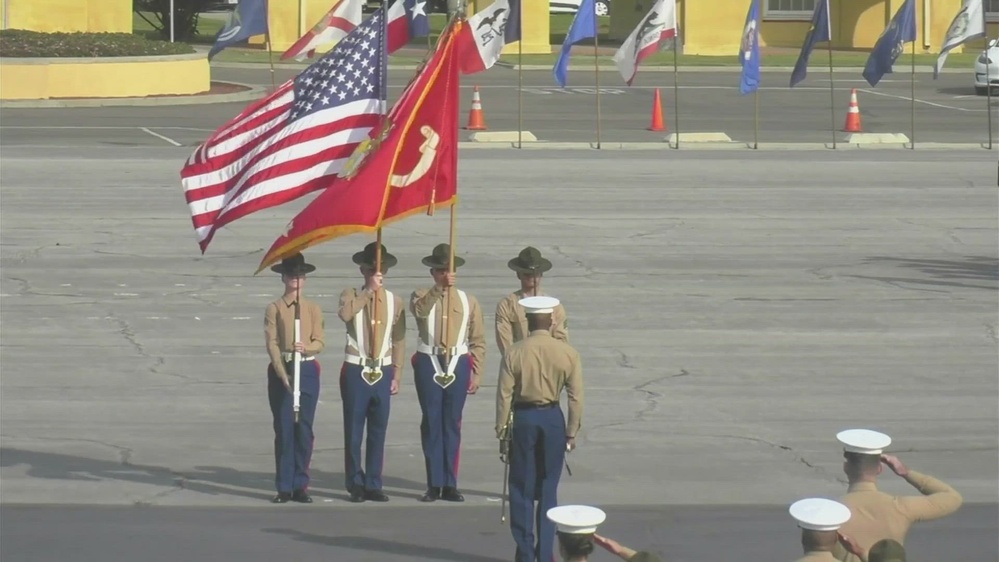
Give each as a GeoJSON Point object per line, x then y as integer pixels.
{"type": "Point", "coordinates": [863, 487]}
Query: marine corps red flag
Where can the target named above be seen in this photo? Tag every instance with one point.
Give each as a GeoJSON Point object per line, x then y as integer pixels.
{"type": "Point", "coordinates": [408, 165]}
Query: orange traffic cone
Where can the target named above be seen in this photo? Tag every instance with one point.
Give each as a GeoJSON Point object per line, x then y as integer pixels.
{"type": "Point", "coordinates": [852, 124]}
{"type": "Point", "coordinates": [476, 119]}
{"type": "Point", "coordinates": [657, 114]}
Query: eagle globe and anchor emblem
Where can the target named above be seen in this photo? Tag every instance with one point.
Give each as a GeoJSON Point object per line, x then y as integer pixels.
{"type": "Point", "coordinates": [959, 27]}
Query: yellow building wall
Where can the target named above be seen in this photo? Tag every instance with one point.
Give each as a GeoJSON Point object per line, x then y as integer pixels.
{"type": "Point", "coordinates": [50, 16]}
{"type": "Point", "coordinates": [286, 27]}
{"type": "Point", "coordinates": [715, 27]}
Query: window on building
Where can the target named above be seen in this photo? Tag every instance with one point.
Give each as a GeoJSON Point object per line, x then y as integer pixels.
{"type": "Point", "coordinates": [991, 10]}
{"type": "Point", "coordinates": [789, 9]}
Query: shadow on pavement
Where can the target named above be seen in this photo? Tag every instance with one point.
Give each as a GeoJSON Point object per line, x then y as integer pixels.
{"type": "Point", "coordinates": [212, 480]}
{"type": "Point", "coordinates": [368, 544]}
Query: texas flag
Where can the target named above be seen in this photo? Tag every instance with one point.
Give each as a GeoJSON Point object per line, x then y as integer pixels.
{"type": "Point", "coordinates": [407, 19]}
{"type": "Point", "coordinates": [481, 42]}
{"type": "Point", "coordinates": [655, 28]}
{"type": "Point", "coordinates": [342, 18]}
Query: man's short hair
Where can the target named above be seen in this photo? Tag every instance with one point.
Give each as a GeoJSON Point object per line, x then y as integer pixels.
{"type": "Point", "coordinates": [862, 462]}
{"type": "Point", "coordinates": [576, 545]}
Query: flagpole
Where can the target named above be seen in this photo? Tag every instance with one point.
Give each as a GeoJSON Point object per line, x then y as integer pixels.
{"type": "Point", "coordinates": [832, 94]}
{"type": "Point", "coordinates": [520, 81]}
{"type": "Point", "coordinates": [447, 299]}
{"type": "Point", "coordinates": [756, 124]}
{"type": "Point", "coordinates": [375, 348]}
{"type": "Point", "coordinates": [270, 60]}
{"type": "Point", "coordinates": [297, 356]}
{"type": "Point", "coordinates": [988, 88]}
{"type": "Point", "coordinates": [676, 87]}
{"type": "Point", "coordinates": [912, 96]}
{"type": "Point", "coordinates": [596, 68]}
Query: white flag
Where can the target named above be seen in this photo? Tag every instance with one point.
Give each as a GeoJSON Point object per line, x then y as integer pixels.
{"type": "Point", "coordinates": [655, 28]}
{"type": "Point", "coordinates": [968, 24]}
{"type": "Point", "coordinates": [481, 41]}
{"type": "Point", "coordinates": [335, 24]}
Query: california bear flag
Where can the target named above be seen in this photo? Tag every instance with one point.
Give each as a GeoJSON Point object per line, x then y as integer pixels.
{"type": "Point", "coordinates": [655, 28]}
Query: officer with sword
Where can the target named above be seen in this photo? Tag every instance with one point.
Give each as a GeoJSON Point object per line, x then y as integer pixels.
{"type": "Point", "coordinates": [293, 333]}
{"type": "Point", "coordinates": [533, 373]}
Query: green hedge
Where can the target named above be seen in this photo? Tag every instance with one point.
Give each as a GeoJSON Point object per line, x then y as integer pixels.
{"type": "Point", "coordinates": [22, 43]}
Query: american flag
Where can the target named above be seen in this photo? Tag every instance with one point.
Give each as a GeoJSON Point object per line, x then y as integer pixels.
{"type": "Point", "coordinates": [291, 142]}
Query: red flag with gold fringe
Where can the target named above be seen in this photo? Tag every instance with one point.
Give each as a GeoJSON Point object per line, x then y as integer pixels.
{"type": "Point", "coordinates": [408, 165]}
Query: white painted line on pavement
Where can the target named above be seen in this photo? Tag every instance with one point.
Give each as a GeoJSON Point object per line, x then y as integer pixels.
{"type": "Point", "coordinates": [907, 98]}
{"type": "Point", "coordinates": [159, 136]}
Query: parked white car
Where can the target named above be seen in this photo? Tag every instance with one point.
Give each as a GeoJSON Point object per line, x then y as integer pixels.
{"type": "Point", "coordinates": [988, 61]}
{"type": "Point", "coordinates": [572, 6]}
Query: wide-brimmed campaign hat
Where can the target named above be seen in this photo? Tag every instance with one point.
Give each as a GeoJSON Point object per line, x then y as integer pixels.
{"type": "Point", "coordinates": [366, 257]}
{"type": "Point", "coordinates": [293, 265]}
{"type": "Point", "coordinates": [438, 258]}
{"type": "Point", "coordinates": [530, 260]}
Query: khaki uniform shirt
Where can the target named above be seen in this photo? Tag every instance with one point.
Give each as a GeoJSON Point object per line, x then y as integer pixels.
{"type": "Point", "coordinates": [420, 303]}
{"type": "Point", "coordinates": [511, 322]}
{"type": "Point", "coordinates": [535, 370]}
{"type": "Point", "coordinates": [354, 300]}
{"type": "Point", "coordinates": [279, 329]}
{"type": "Point", "coordinates": [817, 556]}
{"type": "Point", "coordinates": [877, 515]}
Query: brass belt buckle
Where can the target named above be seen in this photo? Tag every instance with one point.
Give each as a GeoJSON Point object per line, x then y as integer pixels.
{"type": "Point", "coordinates": [371, 375]}
{"type": "Point", "coordinates": [444, 380]}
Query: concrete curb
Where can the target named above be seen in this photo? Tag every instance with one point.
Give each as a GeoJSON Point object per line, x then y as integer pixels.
{"type": "Point", "coordinates": [605, 68]}
{"type": "Point", "coordinates": [729, 146]}
{"type": "Point", "coordinates": [254, 92]}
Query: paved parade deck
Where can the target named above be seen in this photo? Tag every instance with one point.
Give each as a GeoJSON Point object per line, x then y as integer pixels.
{"type": "Point", "coordinates": [734, 310]}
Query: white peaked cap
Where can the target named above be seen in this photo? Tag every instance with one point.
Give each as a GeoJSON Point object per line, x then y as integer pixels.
{"type": "Point", "coordinates": [819, 514]}
{"type": "Point", "coordinates": [863, 441]}
{"type": "Point", "coordinates": [539, 305]}
{"type": "Point", "coordinates": [576, 519]}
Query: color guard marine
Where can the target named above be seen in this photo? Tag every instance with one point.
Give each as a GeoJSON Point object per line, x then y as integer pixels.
{"type": "Point", "coordinates": [375, 319]}
{"type": "Point", "coordinates": [447, 368]}
{"type": "Point", "coordinates": [293, 441]}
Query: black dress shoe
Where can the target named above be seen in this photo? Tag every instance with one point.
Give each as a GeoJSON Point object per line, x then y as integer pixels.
{"type": "Point", "coordinates": [282, 497]}
{"type": "Point", "coordinates": [301, 497]}
{"type": "Point", "coordinates": [357, 496]}
{"type": "Point", "coordinates": [452, 495]}
{"type": "Point", "coordinates": [375, 496]}
{"type": "Point", "coordinates": [433, 494]}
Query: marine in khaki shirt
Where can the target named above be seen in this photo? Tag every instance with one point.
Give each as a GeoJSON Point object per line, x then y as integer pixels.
{"type": "Point", "coordinates": [293, 438]}
{"type": "Point", "coordinates": [533, 373]}
{"type": "Point", "coordinates": [447, 367]}
{"type": "Point", "coordinates": [510, 319]}
{"type": "Point", "coordinates": [820, 521]}
{"type": "Point", "coordinates": [877, 515]}
{"type": "Point", "coordinates": [375, 322]}
{"type": "Point", "coordinates": [355, 300]}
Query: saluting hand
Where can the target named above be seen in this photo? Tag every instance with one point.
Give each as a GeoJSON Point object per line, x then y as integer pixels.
{"type": "Point", "coordinates": [895, 465]}
{"type": "Point", "coordinates": [851, 545]}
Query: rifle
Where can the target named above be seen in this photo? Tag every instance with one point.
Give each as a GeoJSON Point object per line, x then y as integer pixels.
{"type": "Point", "coordinates": [506, 436]}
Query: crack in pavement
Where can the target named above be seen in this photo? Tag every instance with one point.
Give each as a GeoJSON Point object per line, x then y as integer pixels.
{"type": "Point", "coordinates": [623, 360]}
{"type": "Point", "coordinates": [125, 330]}
{"type": "Point", "coordinates": [589, 270]}
{"type": "Point", "coordinates": [652, 397]}
{"type": "Point", "coordinates": [797, 456]}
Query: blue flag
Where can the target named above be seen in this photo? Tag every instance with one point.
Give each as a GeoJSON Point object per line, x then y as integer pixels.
{"type": "Point", "coordinates": [749, 50]}
{"type": "Point", "coordinates": [818, 32]}
{"type": "Point", "coordinates": [511, 32]}
{"type": "Point", "coordinates": [901, 29]}
{"type": "Point", "coordinates": [248, 19]}
{"type": "Point", "coordinates": [584, 26]}
{"type": "Point", "coordinates": [419, 22]}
